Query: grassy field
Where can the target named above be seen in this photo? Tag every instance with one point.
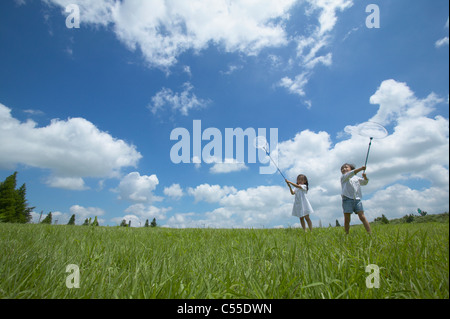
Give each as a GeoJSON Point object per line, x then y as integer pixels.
{"type": "Point", "coordinates": [120, 262]}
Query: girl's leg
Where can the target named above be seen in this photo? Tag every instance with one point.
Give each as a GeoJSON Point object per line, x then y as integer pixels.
{"type": "Point", "coordinates": [302, 221]}
{"type": "Point", "coordinates": [309, 222]}
{"type": "Point", "coordinates": [366, 224]}
{"type": "Point", "coordinates": [347, 218]}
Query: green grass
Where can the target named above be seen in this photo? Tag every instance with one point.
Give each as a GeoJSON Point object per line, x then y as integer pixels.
{"type": "Point", "coordinates": [119, 262]}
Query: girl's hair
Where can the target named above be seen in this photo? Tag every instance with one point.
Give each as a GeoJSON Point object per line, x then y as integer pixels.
{"type": "Point", "coordinates": [306, 180]}
{"type": "Point", "coordinates": [352, 166]}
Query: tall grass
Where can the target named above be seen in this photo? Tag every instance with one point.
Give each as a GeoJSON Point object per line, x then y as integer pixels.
{"type": "Point", "coordinates": [119, 262]}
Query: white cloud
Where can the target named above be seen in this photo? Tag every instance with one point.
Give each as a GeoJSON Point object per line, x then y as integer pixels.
{"type": "Point", "coordinates": [70, 149]}
{"type": "Point", "coordinates": [296, 86]}
{"type": "Point", "coordinates": [182, 102]}
{"type": "Point", "coordinates": [228, 166]}
{"type": "Point", "coordinates": [139, 189]}
{"type": "Point", "coordinates": [210, 193]}
{"type": "Point", "coordinates": [253, 207]}
{"type": "Point", "coordinates": [162, 30]}
{"type": "Point", "coordinates": [310, 47]}
{"type": "Point", "coordinates": [397, 101]}
{"type": "Point", "coordinates": [86, 212]}
{"type": "Point", "coordinates": [70, 183]}
{"type": "Point", "coordinates": [444, 41]}
{"type": "Point", "coordinates": [174, 191]}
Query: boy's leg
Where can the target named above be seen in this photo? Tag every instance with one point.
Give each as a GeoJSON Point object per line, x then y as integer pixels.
{"type": "Point", "coordinates": [347, 218]}
{"type": "Point", "coordinates": [363, 218]}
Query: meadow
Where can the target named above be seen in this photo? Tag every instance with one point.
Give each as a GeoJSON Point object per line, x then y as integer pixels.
{"type": "Point", "coordinates": [121, 262]}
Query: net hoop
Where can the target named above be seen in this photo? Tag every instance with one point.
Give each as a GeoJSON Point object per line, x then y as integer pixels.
{"type": "Point", "coordinates": [260, 142]}
{"type": "Point", "coordinates": [372, 130]}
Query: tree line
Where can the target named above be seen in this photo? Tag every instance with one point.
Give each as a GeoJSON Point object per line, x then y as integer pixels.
{"type": "Point", "coordinates": [14, 207]}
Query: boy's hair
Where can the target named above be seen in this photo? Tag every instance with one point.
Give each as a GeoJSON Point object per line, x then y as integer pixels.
{"type": "Point", "coordinates": [352, 166]}
{"type": "Point", "coordinates": [306, 179]}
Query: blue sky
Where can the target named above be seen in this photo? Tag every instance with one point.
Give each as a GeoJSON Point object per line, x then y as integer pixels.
{"type": "Point", "coordinates": [86, 113]}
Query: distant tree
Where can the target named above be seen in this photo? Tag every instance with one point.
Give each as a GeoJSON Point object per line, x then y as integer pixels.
{"type": "Point", "coordinates": [72, 220]}
{"type": "Point", "coordinates": [123, 223]}
{"type": "Point", "coordinates": [382, 219]}
{"type": "Point", "coordinates": [95, 222]}
{"type": "Point", "coordinates": [129, 223]}
{"type": "Point", "coordinates": [146, 223]}
{"type": "Point", "coordinates": [86, 222]}
{"type": "Point", "coordinates": [47, 219]}
{"type": "Point", "coordinates": [153, 223]}
{"type": "Point", "coordinates": [408, 218]}
{"type": "Point", "coordinates": [13, 204]}
{"type": "Point", "coordinates": [337, 223]}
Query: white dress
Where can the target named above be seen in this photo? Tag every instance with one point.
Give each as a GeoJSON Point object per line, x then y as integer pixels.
{"type": "Point", "coordinates": [302, 207]}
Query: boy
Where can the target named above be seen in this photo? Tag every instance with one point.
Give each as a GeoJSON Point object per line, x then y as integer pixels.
{"type": "Point", "coordinates": [351, 195]}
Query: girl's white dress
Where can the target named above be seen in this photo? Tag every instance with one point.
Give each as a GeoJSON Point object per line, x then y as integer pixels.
{"type": "Point", "coordinates": [302, 207]}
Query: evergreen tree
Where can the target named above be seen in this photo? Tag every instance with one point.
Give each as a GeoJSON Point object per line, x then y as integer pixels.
{"type": "Point", "coordinates": [86, 222]}
{"type": "Point", "coordinates": [8, 199]}
{"type": "Point", "coordinates": [47, 219]}
{"type": "Point", "coordinates": [123, 223]}
{"type": "Point", "coordinates": [23, 212]}
{"type": "Point", "coordinates": [146, 223]}
{"type": "Point", "coordinates": [13, 204]}
{"type": "Point", "coordinates": [72, 220]}
{"type": "Point", "coordinates": [95, 222]}
{"type": "Point", "coordinates": [153, 223]}
{"type": "Point", "coordinates": [337, 223]}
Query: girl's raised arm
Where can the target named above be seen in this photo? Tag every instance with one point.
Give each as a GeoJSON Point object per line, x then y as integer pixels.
{"type": "Point", "coordinates": [289, 184]}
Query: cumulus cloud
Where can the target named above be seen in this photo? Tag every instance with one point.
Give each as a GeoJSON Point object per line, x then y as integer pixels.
{"type": "Point", "coordinates": [139, 189]}
{"type": "Point", "coordinates": [174, 191]}
{"type": "Point", "coordinates": [71, 149]}
{"type": "Point", "coordinates": [210, 193]}
{"type": "Point", "coordinates": [253, 207]}
{"type": "Point", "coordinates": [163, 30]}
{"type": "Point", "coordinates": [227, 166]}
{"type": "Point", "coordinates": [70, 183]}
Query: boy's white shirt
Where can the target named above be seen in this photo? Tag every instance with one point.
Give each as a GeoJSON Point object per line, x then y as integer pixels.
{"type": "Point", "coordinates": [351, 185]}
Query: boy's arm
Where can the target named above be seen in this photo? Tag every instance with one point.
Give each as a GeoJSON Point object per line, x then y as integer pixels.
{"type": "Point", "coordinates": [362, 168]}
{"type": "Point", "coordinates": [350, 174]}
{"type": "Point", "coordinates": [365, 180]}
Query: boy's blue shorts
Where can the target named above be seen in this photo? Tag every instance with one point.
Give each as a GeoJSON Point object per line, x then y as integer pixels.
{"type": "Point", "coordinates": [350, 205]}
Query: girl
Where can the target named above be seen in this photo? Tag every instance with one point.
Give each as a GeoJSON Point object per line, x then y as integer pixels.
{"type": "Point", "coordinates": [302, 208]}
{"type": "Point", "coordinates": [351, 194]}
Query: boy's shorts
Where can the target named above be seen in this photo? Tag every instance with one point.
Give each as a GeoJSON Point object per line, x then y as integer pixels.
{"type": "Point", "coordinates": [350, 205]}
